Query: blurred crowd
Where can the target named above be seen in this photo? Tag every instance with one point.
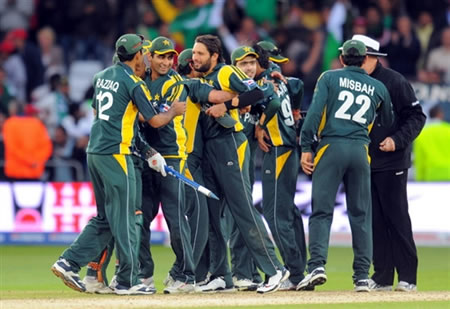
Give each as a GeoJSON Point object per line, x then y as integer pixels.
{"type": "Point", "coordinates": [40, 40]}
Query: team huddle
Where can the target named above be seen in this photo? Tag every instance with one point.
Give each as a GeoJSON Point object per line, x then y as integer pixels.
{"type": "Point", "coordinates": [205, 120]}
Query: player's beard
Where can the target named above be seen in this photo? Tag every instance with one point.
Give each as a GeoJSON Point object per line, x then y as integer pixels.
{"type": "Point", "coordinates": [204, 67]}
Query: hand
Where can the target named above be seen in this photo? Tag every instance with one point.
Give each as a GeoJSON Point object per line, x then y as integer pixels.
{"type": "Point", "coordinates": [178, 107]}
{"type": "Point", "coordinates": [307, 163]}
{"type": "Point", "coordinates": [387, 145]}
{"type": "Point", "coordinates": [157, 163]}
{"type": "Point", "coordinates": [245, 110]}
{"type": "Point", "coordinates": [278, 75]}
{"type": "Point", "coordinates": [261, 135]}
{"type": "Point", "coordinates": [217, 110]}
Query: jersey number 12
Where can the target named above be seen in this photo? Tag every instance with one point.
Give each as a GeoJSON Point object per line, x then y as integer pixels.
{"type": "Point", "coordinates": [102, 108]}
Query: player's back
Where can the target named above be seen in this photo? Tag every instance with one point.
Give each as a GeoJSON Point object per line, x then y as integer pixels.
{"type": "Point", "coordinates": [349, 99]}
{"type": "Point", "coordinates": [113, 128]}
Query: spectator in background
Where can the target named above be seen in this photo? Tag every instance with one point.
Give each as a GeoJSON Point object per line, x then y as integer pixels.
{"type": "Point", "coordinates": [438, 64]}
{"type": "Point", "coordinates": [93, 19]}
{"type": "Point", "coordinates": [149, 24]}
{"type": "Point", "coordinates": [15, 14]}
{"type": "Point", "coordinates": [432, 149]}
{"type": "Point", "coordinates": [16, 75]}
{"type": "Point", "coordinates": [374, 18]}
{"type": "Point", "coordinates": [31, 57]}
{"type": "Point", "coordinates": [52, 55]}
{"type": "Point", "coordinates": [424, 30]}
{"type": "Point", "coordinates": [62, 151]}
{"type": "Point", "coordinates": [27, 145]}
{"type": "Point", "coordinates": [359, 25]}
{"type": "Point", "coordinates": [233, 13]}
{"type": "Point", "coordinates": [404, 48]}
{"type": "Point", "coordinates": [53, 107]}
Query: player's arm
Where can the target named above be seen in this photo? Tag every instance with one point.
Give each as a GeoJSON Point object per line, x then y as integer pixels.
{"type": "Point", "coordinates": [309, 132]}
{"type": "Point", "coordinates": [200, 91]}
{"type": "Point", "coordinates": [296, 89]}
{"type": "Point", "coordinates": [310, 127]}
{"type": "Point", "coordinates": [142, 98]}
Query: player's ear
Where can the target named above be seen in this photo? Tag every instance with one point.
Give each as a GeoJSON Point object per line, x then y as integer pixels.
{"type": "Point", "coordinates": [215, 56]}
{"type": "Point", "coordinates": [341, 60]}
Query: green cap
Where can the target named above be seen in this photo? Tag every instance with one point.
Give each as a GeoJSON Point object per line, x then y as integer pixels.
{"type": "Point", "coordinates": [162, 45]}
{"type": "Point", "coordinates": [185, 57]}
{"type": "Point", "coordinates": [241, 52]}
{"type": "Point", "coordinates": [274, 52]}
{"type": "Point", "coordinates": [146, 46]}
{"type": "Point", "coordinates": [358, 46]}
{"type": "Point", "coordinates": [129, 44]}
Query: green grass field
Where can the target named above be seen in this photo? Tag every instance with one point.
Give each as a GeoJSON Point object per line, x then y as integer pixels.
{"type": "Point", "coordinates": [25, 274]}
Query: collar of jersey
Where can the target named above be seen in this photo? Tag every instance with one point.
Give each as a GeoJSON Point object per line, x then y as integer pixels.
{"type": "Point", "coordinates": [265, 73]}
{"type": "Point", "coordinates": [126, 67]}
{"type": "Point", "coordinates": [216, 68]}
{"type": "Point", "coordinates": [356, 69]}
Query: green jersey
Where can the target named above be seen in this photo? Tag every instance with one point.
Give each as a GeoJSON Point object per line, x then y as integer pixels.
{"type": "Point", "coordinates": [281, 127]}
{"type": "Point", "coordinates": [196, 99]}
{"type": "Point", "coordinates": [344, 105]}
{"type": "Point", "coordinates": [227, 78]}
{"type": "Point", "coordinates": [169, 140]}
{"type": "Point", "coordinates": [118, 96]}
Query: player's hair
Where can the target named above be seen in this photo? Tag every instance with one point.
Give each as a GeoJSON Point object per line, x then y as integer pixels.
{"type": "Point", "coordinates": [123, 58]}
{"type": "Point", "coordinates": [184, 69]}
{"type": "Point", "coordinates": [263, 56]}
{"type": "Point", "coordinates": [213, 45]}
{"type": "Point", "coordinates": [352, 58]}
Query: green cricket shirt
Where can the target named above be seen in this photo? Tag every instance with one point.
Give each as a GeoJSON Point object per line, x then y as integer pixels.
{"type": "Point", "coordinates": [118, 96]}
{"type": "Point", "coordinates": [344, 104]}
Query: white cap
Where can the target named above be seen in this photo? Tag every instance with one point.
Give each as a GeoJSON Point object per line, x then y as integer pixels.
{"type": "Point", "coordinates": [373, 47]}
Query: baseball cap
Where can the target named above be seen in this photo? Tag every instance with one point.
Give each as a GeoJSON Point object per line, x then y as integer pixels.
{"type": "Point", "coordinates": [185, 57]}
{"type": "Point", "coordinates": [241, 52]}
{"type": "Point", "coordinates": [129, 44]}
{"type": "Point", "coordinates": [373, 47]}
{"type": "Point", "coordinates": [274, 52]}
{"type": "Point", "coordinates": [162, 45]}
{"type": "Point", "coordinates": [359, 46]}
{"type": "Point", "coordinates": [146, 46]}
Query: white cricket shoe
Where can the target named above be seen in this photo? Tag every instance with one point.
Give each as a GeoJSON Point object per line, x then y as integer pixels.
{"type": "Point", "coordinates": [215, 285]}
{"type": "Point", "coordinates": [63, 270]}
{"type": "Point", "coordinates": [138, 289]}
{"type": "Point", "coordinates": [244, 284]}
{"type": "Point", "coordinates": [404, 286]}
{"type": "Point", "coordinates": [274, 282]}
{"type": "Point", "coordinates": [178, 287]}
{"type": "Point", "coordinates": [373, 286]}
{"type": "Point", "coordinates": [94, 286]}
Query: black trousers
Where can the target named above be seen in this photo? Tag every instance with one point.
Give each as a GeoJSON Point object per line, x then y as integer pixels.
{"type": "Point", "coordinates": [393, 244]}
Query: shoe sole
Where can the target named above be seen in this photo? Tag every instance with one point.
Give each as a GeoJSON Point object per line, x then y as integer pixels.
{"type": "Point", "coordinates": [250, 288]}
{"type": "Point", "coordinates": [178, 292]}
{"type": "Point", "coordinates": [404, 290]}
{"type": "Point", "coordinates": [316, 280]}
{"type": "Point", "coordinates": [362, 289]}
{"type": "Point", "coordinates": [67, 282]}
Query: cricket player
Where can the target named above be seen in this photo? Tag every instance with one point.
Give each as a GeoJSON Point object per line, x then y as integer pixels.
{"type": "Point", "coordinates": [119, 95]}
{"type": "Point", "coordinates": [226, 150]}
{"type": "Point", "coordinates": [343, 109]}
